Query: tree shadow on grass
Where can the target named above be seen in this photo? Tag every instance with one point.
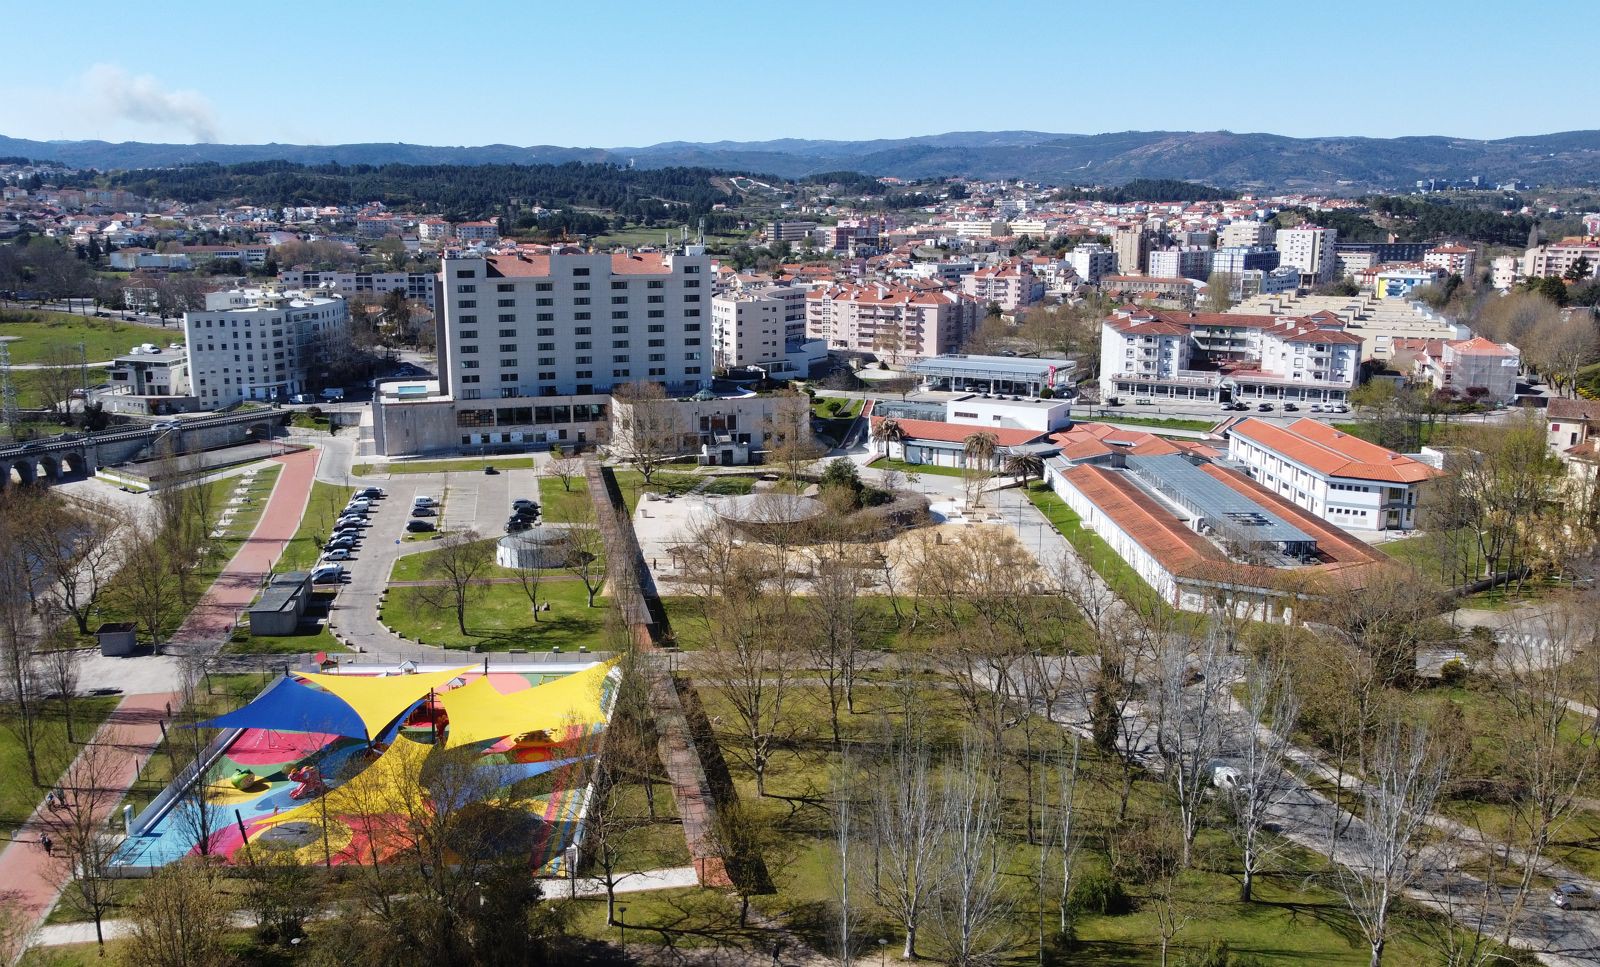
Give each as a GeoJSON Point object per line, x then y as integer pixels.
{"type": "Point", "coordinates": [568, 631]}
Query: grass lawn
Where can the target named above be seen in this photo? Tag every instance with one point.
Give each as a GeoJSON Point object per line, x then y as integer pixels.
{"type": "Point", "coordinates": [884, 463]}
{"type": "Point", "coordinates": [1161, 422]}
{"type": "Point", "coordinates": [306, 421]}
{"type": "Point", "coordinates": [234, 536]}
{"type": "Point", "coordinates": [560, 505]}
{"type": "Point", "coordinates": [322, 510]}
{"type": "Point", "coordinates": [1425, 431]}
{"type": "Point", "coordinates": [39, 332]}
{"type": "Point", "coordinates": [443, 466]}
{"type": "Point", "coordinates": [631, 483]}
{"type": "Point", "coordinates": [306, 642]}
{"type": "Point", "coordinates": [835, 416]}
{"type": "Point", "coordinates": [500, 619]}
{"type": "Point", "coordinates": [30, 385]}
{"type": "Point", "coordinates": [1107, 563]}
{"type": "Point", "coordinates": [18, 794]}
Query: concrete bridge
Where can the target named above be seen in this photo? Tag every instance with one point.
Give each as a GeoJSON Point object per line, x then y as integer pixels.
{"type": "Point", "coordinates": [65, 458]}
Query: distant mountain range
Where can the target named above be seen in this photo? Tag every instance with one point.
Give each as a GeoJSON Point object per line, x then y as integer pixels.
{"type": "Point", "coordinates": [1248, 161]}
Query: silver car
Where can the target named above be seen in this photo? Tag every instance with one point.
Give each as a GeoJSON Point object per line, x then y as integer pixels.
{"type": "Point", "coordinates": [1571, 896]}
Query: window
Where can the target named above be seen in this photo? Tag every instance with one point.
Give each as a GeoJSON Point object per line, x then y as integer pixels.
{"type": "Point", "coordinates": [691, 312]}
{"type": "Point", "coordinates": [581, 301]}
{"type": "Point", "coordinates": [547, 347]}
{"type": "Point", "coordinates": [657, 342]}
{"type": "Point", "coordinates": [547, 360]}
{"type": "Point", "coordinates": [545, 317]}
{"type": "Point", "coordinates": [508, 347]}
{"type": "Point", "coordinates": [581, 331]}
{"type": "Point", "coordinates": [619, 300]}
{"type": "Point", "coordinates": [469, 334]}
{"type": "Point", "coordinates": [508, 377]}
{"type": "Point", "coordinates": [544, 301]}
{"type": "Point", "coordinates": [507, 303]}
{"type": "Point", "coordinates": [584, 360]}
{"type": "Point", "coordinates": [469, 364]}
{"type": "Point", "coordinates": [580, 286]}
{"type": "Point", "coordinates": [508, 333]}
{"type": "Point", "coordinates": [692, 327]}
{"type": "Point", "coordinates": [469, 350]}
{"type": "Point", "coordinates": [691, 283]}
{"type": "Point", "coordinates": [691, 342]}
{"type": "Point", "coordinates": [470, 379]}
{"type": "Point", "coordinates": [658, 357]}
{"type": "Point", "coordinates": [543, 286]}
{"type": "Point", "coordinates": [580, 315]}
{"type": "Point", "coordinates": [621, 358]}
{"type": "Point", "coordinates": [691, 370]}
{"type": "Point", "coordinates": [620, 314]}
{"type": "Point", "coordinates": [583, 344]}
{"type": "Point", "coordinates": [507, 317]}
{"type": "Point", "coordinates": [581, 270]}
{"type": "Point", "coordinates": [619, 374]}
{"type": "Point", "coordinates": [691, 298]}
{"type": "Point", "coordinates": [466, 273]}
{"type": "Point", "coordinates": [506, 287]}
{"type": "Point", "coordinates": [469, 287]}
{"type": "Point", "coordinates": [467, 304]}
{"type": "Point", "coordinates": [584, 374]}
{"type": "Point", "coordinates": [656, 314]}
{"type": "Point", "coordinates": [654, 284]}
{"type": "Point", "coordinates": [656, 328]}
{"type": "Point", "coordinates": [547, 376]}
{"type": "Point", "coordinates": [691, 270]}
{"type": "Point", "coordinates": [507, 363]}
{"type": "Point", "coordinates": [655, 298]}
{"type": "Point", "coordinates": [544, 331]}
{"type": "Point", "coordinates": [619, 344]}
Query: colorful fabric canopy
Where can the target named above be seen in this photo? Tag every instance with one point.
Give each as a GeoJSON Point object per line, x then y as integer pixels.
{"type": "Point", "coordinates": [497, 777]}
{"type": "Point", "coordinates": [388, 787]}
{"type": "Point", "coordinates": [380, 700]}
{"type": "Point", "coordinates": [289, 706]}
{"type": "Point", "coordinates": [478, 711]}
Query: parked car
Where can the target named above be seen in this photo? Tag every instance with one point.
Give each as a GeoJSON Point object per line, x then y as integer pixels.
{"type": "Point", "coordinates": [489, 470]}
{"type": "Point", "coordinates": [418, 526]}
{"type": "Point", "coordinates": [1571, 896]}
{"type": "Point", "coordinates": [526, 507]}
{"type": "Point", "coordinates": [327, 574]}
{"type": "Point", "coordinates": [356, 503]}
{"type": "Point", "coordinates": [371, 493]}
{"type": "Point", "coordinates": [424, 502]}
{"type": "Point", "coordinates": [337, 554]}
{"type": "Point", "coordinates": [1265, 407]}
{"type": "Point", "coordinates": [350, 520]}
{"type": "Point", "coordinates": [1291, 407]}
{"type": "Point", "coordinates": [1316, 407]}
{"type": "Point", "coordinates": [165, 425]}
{"type": "Point", "coordinates": [516, 524]}
{"type": "Point", "coordinates": [1143, 401]}
{"type": "Point", "coordinates": [424, 512]}
{"type": "Point", "coordinates": [302, 398]}
{"type": "Point", "coordinates": [348, 540]}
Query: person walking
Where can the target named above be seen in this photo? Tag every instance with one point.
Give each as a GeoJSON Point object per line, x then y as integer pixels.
{"type": "Point", "coordinates": [48, 844]}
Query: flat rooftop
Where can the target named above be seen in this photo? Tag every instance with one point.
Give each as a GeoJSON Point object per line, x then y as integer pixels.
{"type": "Point", "coordinates": [1019, 402]}
{"type": "Point", "coordinates": [994, 367]}
{"type": "Point", "coordinates": [1216, 503]}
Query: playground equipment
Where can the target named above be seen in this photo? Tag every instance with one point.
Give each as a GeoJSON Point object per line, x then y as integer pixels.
{"type": "Point", "coordinates": [310, 783]}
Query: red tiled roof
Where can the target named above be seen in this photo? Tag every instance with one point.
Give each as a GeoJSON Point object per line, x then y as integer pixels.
{"type": "Point", "coordinates": [1574, 410]}
{"type": "Point", "coordinates": [1479, 346]}
{"type": "Point", "coordinates": [958, 433]}
{"type": "Point", "coordinates": [1335, 453]}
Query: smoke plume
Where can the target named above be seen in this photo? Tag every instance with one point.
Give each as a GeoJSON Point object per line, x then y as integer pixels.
{"type": "Point", "coordinates": [141, 98]}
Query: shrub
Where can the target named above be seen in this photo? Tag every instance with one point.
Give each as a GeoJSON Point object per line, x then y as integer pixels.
{"type": "Point", "coordinates": [315, 412]}
{"type": "Point", "coordinates": [1454, 672]}
{"type": "Point", "coordinates": [1102, 893]}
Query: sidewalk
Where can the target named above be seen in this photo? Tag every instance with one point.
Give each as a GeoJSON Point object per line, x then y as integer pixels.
{"type": "Point", "coordinates": [24, 867]}
{"type": "Point", "coordinates": [212, 619]}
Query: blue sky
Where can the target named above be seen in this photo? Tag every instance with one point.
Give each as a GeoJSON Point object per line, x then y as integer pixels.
{"type": "Point", "coordinates": [583, 72]}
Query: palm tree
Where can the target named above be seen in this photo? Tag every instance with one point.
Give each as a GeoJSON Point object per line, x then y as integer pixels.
{"type": "Point", "coordinates": [1024, 465]}
{"type": "Point", "coordinates": [979, 450]}
{"type": "Point", "coordinates": [886, 431]}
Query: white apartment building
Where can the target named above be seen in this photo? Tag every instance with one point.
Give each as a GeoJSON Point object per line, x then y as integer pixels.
{"type": "Point", "coordinates": [789, 231]}
{"type": "Point", "coordinates": [1453, 259]}
{"type": "Point", "coordinates": [418, 286]}
{"type": "Point", "coordinates": [1311, 250]}
{"type": "Point", "coordinates": [1010, 285]}
{"type": "Point", "coordinates": [1504, 271]}
{"type": "Point", "coordinates": [1221, 356]}
{"type": "Point", "coordinates": [565, 324]}
{"type": "Point", "coordinates": [1130, 244]}
{"type": "Point", "coordinates": [1475, 367]}
{"type": "Point", "coordinates": [746, 330]}
{"type": "Point", "coordinates": [1236, 260]}
{"type": "Point", "coordinates": [1341, 478]}
{"type": "Point", "coordinates": [433, 230]}
{"type": "Point", "coordinates": [1180, 263]}
{"type": "Point", "coordinates": [258, 344]}
{"type": "Point", "coordinates": [978, 228]}
{"type": "Point", "coordinates": [894, 321]}
{"type": "Point", "coordinates": [1246, 233]}
{"type": "Point", "coordinates": [477, 232]}
{"type": "Point", "coordinates": [1556, 258]}
{"type": "Point", "coordinates": [1093, 262]}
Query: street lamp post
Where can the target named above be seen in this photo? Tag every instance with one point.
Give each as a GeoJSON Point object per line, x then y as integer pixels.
{"type": "Point", "coordinates": [622, 923]}
{"type": "Point", "coordinates": [883, 950]}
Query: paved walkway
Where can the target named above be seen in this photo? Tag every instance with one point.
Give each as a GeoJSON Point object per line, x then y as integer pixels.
{"type": "Point", "coordinates": [136, 722]}
{"type": "Point", "coordinates": [212, 619]}
{"type": "Point", "coordinates": [24, 867]}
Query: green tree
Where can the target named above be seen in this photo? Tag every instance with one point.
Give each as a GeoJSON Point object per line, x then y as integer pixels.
{"type": "Point", "coordinates": [1552, 288]}
{"type": "Point", "coordinates": [1579, 270]}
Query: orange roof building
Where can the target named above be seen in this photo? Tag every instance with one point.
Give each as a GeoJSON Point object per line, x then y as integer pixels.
{"type": "Point", "coordinates": [1336, 476]}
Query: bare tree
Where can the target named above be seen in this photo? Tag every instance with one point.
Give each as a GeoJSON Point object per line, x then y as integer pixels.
{"type": "Point", "coordinates": [843, 830]}
{"type": "Point", "coordinates": [908, 833]}
{"type": "Point", "coordinates": [530, 578]}
{"type": "Point", "coordinates": [79, 552]}
{"type": "Point", "coordinates": [1383, 857]}
{"type": "Point", "coordinates": [566, 465]}
{"type": "Point", "coordinates": [61, 372]}
{"type": "Point", "coordinates": [974, 906]}
{"type": "Point", "coordinates": [85, 847]}
{"type": "Point", "coordinates": [1067, 830]}
{"type": "Point", "coordinates": [456, 568]}
{"type": "Point", "coordinates": [1190, 700]}
{"type": "Point", "coordinates": [1262, 785]}
{"type": "Point", "coordinates": [61, 663]}
{"type": "Point", "coordinates": [586, 549]}
{"type": "Point", "coordinates": [834, 625]}
{"type": "Point", "coordinates": [146, 589]}
{"type": "Point", "coordinates": [19, 635]}
{"type": "Point", "coordinates": [745, 664]}
{"type": "Point", "coordinates": [646, 433]}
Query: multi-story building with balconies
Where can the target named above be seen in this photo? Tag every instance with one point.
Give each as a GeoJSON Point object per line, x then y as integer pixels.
{"type": "Point", "coordinates": [898, 322]}
{"type": "Point", "coordinates": [258, 344]}
{"type": "Point", "coordinates": [1221, 356]}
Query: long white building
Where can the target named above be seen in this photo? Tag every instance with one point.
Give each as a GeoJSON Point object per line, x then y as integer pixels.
{"type": "Point", "coordinates": [1341, 478]}
{"type": "Point", "coordinates": [258, 344]}
{"type": "Point", "coordinates": [1214, 356]}
{"type": "Point", "coordinates": [417, 286]}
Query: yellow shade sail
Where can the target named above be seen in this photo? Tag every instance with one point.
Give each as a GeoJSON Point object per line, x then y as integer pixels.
{"type": "Point", "coordinates": [378, 701]}
{"type": "Point", "coordinates": [388, 787]}
{"type": "Point", "coordinates": [479, 712]}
